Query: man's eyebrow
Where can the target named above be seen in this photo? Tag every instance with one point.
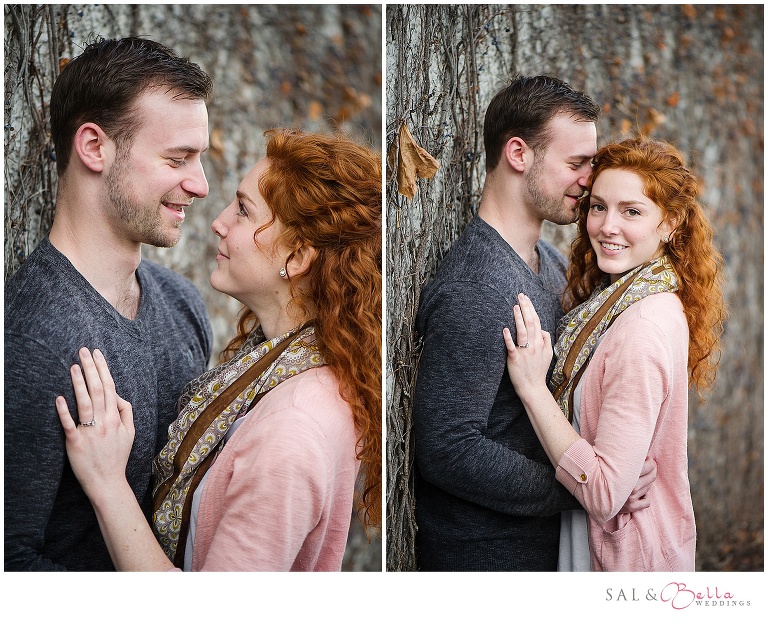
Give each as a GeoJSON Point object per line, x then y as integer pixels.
{"type": "Point", "coordinates": [188, 149]}
{"type": "Point", "coordinates": [579, 158]}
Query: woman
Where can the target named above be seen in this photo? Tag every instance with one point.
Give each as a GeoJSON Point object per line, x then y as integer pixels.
{"type": "Point", "coordinates": [645, 313]}
{"type": "Point", "coordinates": [260, 466]}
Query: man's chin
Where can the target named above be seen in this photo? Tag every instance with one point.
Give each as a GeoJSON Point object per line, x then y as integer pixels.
{"type": "Point", "coordinates": [565, 218]}
{"type": "Point", "coordinates": [165, 240]}
{"type": "Point", "coordinates": [571, 212]}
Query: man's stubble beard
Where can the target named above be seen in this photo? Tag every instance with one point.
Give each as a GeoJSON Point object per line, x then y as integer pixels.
{"type": "Point", "coordinates": [143, 222]}
{"type": "Point", "coordinates": [550, 208]}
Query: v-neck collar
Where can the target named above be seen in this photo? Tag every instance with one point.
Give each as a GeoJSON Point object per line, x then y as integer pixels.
{"type": "Point", "coordinates": [135, 326]}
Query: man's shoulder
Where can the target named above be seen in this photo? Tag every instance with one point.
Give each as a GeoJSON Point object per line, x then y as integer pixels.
{"type": "Point", "coordinates": [162, 282]}
{"type": "Point", "coordinates": [41, 307]}
{"type": "Point", "coordinates": [552, 253]}
{"type": "Point", "coordinates": [165, 275]}
{"type": "Point", "coordinates": [478, 255]}
{"type": "Point", "coordinates": [171, 294]}
{"type": "Point", "coordinates": [38, 286]}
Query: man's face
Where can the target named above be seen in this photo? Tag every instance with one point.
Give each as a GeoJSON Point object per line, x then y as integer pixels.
{"type": "Point", "coordinates": [150, 184]}
{"type": "Point", "coordinates": [559, 172]}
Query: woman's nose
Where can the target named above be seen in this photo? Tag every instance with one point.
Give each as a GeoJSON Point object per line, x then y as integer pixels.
{"type": "Point", "coordinates": [219, 226]}
{"type": "Point", "coordinates": [610, 223]}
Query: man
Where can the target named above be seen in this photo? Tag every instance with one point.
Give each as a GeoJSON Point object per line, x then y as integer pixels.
{"type": "Point", "coordinates": [129, 123]}
{"type": "Point", "coordinates": [486, 495]}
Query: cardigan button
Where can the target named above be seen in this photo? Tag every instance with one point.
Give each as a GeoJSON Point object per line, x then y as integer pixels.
{"type": "Point", "coordinates": [583, 477]}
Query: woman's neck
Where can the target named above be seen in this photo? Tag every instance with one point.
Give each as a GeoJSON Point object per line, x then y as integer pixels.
{"type": "Point", "coordinates": [279, 323]}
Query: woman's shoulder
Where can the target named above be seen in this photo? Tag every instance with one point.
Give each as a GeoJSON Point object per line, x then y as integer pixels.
{"type": "Point", "coordinates": [655, 308]}
{"type": "Point", "coordinates": [312, 394]}
{"type": "Point", "coordinates": [305, 411]}
{"type": "Point", "coordinates": [658, 314]}
{"type": "Point", "coordinates": [319, 382]}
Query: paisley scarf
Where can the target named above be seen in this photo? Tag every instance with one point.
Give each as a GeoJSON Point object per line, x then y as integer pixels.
{"type": "Point", "coordinates": [579, 330]}
{"type": "Point", "coordinates": [209, 406]}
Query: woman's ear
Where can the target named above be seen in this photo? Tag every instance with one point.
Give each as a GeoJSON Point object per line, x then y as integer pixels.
{"type": "Point", "coordinates": [667, 229]}
{"type": "Point", "coordinates": [300, 260]}
{"type": "Point", "coordinates": [92, 147]}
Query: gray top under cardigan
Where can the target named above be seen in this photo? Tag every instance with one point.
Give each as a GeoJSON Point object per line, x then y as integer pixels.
{"type": "Point", "coordinates": [574, 526]}
{"type": "Point", "coordinates": [51, 311]}
{"type": "Point", "coordinates": [486, 494]}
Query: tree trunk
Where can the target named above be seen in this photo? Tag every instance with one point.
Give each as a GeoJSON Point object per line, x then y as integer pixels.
{"type": "Point", "coordinates": [316, 67]}
{"type": "Point", "coordinates": [688, 74]}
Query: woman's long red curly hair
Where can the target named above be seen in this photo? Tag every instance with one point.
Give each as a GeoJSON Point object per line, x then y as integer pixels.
{"type": "Point", "coordinates": [669, 184]}
{"type": "Point", "coordinates": [326, 192]}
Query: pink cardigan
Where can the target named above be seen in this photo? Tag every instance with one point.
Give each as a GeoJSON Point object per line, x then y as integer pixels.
{"type": "Point", "coordinates": [279, 496]}
{"type": "Point", "coordinates": [635, 402]}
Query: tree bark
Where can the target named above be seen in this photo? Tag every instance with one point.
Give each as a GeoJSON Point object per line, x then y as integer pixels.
{"type": "Point", "coordinates": [688, 74]}
{"type": "Point", "coordinates": [317, 67]}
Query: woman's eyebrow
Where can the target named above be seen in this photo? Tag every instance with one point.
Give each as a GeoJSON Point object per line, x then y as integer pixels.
{"type": "Point", "coordinates": [621, 203]}
{"type": "Point", "coordinates": [243, 196]}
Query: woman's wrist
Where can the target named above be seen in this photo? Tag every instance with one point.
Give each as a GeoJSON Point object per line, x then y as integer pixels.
{"type": "Point", "coordinates": [105, 493]}
{"type": "Point", "coordinates": [529, 394]}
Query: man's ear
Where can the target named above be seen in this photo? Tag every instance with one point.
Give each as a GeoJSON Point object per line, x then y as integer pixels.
{"type": "Point", "coordinates": [517, 153]}
{"type": "Point", "coordinates": [93, 147]}
{"type": "Point", "coordinates": [300, 260]}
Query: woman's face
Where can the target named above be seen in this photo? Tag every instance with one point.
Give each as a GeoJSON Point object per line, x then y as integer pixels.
{"type": "Point", "coordinates": [624, 225]}
{"type": "Point", "coordinates": [249, 263]}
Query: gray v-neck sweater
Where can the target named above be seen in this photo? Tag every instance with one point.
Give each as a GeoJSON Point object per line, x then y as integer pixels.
{"type": "Point", "coordinates": [486, 495]}
{"type": "Point", "coordinates": [51, 311]}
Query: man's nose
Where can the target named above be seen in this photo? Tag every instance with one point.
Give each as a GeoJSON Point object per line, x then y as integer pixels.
{"type": "Point", "coordinates": [586, 170]}
{"type": "Point", "coordinates": [196, 184]}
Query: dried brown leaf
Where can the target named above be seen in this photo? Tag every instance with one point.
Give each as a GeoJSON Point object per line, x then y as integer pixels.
{"type": "Point", "coordinates": [412, 162]}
